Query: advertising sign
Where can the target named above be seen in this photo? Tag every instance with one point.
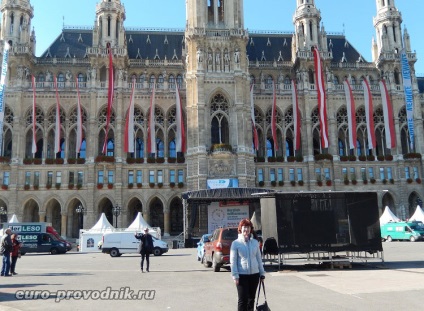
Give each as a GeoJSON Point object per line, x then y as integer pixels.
{"type": "Point", "coordinates": [222, 183]}
{"type": "Point", "coordinates": [226, 215]}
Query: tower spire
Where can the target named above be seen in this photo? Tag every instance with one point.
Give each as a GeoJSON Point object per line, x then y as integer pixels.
{"type": "Point", "coordinates": [16, 26]}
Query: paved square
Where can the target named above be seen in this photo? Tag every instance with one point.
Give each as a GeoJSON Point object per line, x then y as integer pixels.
{"type": "Point", "coordinates": [177, 281]}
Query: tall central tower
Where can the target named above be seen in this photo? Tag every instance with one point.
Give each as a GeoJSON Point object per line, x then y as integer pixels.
{"type": "Point", "coordinates": [218, 103]}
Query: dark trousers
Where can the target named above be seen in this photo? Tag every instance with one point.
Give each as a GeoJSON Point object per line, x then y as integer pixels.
{"type": "Point", "coordinates": [6, 263]}
{"type": "Point", "coordinates": [13, 264]}
{"type": "Point", "coordinates": [247, 291]}
{"type": "Point", "coordinates": [145, 255]}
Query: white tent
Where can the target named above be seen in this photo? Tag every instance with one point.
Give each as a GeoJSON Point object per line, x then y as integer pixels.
{"type": "Point", "coordinates": [138, 224]}
{"type": "Point", "coordinates": [103, 225]}
{"type": "Point", "coordinates": [418, 215]}
{"type": "Point", "coordinates": [388, 216]}
{"type": "Point", "coordinates": [255, 222]}
{"type": "Point", "coordinates": [13, 220]}
{"type": "Point", "coordinates": [89, 239]}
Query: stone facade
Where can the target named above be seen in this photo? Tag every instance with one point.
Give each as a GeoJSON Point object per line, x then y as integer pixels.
{"type": "Point", "coordinates": [214, 62]}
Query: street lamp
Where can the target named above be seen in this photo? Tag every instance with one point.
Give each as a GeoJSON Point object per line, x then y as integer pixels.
{"type": "Point", "coordinates": [116, 210]}
{"type": "Point", "coordinates": [80, 211]}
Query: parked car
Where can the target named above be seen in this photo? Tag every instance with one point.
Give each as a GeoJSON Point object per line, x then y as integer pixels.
{"type": "Point", "coordinates": [201, 245]}
{"type": "Point", "coordinates": [217, 250]}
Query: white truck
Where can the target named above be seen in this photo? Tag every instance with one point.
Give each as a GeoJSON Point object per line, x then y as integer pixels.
{"type": "Point", "coordinates": [117, 243]}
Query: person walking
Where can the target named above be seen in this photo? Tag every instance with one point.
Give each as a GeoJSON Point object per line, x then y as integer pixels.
{"type": "Point", "coordinates": [146, 248]}
{"type": "Point", "coordinates": [246, 265]}
{"type": "Point", "coordinates": [16, 245]}
{"type": "Point", "coordinates": [6, 248]}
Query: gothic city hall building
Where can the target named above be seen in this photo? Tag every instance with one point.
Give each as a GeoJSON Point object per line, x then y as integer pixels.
{"type": "Point", "coordinates": [112, 116]}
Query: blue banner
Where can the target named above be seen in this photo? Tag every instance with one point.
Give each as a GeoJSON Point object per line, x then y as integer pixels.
{"type": "Point", "coordinates": [409, 97]}
{"type": "Point", "coordinates": [2, 88]}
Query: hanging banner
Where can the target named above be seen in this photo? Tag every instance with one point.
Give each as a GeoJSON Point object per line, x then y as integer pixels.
{"type": "Point", "coordinates": [389, 124]}
{"type": "Point", "coordinates": [351, 115]}
{"type": "Point", "coordinates": [409, 97]}
{"type": "Point", "coordinates": [322, 100]}
{"type": "Point", "coordinates": [2, 89]}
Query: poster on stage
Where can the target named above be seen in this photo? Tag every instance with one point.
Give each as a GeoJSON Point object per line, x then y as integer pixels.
{"type": "Point", "coordinates": [227, 214]}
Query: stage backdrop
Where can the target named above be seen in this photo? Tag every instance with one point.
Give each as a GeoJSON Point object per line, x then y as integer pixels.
{"type": "Point", "coordinates": [330, 221]}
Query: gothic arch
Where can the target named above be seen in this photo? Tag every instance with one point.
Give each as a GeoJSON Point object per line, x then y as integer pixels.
{"type": "Point", "coordinates": [105, 206]}
{"type": "Point", "coordinates": [134, 206]}
{"type": "Point", "coordinates": [53, 212]}
{"type": "Point", "coordinates": [31, 211]}
{"type": "Point", "coordinates": [156, 212]}
{"type": "Point", "coordinates": [414, 199]}
{"type": "Point", "coordinates": [176, 215]}
{"type": "Point", "coordinates": [51, 198]}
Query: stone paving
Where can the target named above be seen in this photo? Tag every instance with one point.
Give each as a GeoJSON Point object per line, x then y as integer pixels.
{"type": "Point", "coordinates": [177, 281]}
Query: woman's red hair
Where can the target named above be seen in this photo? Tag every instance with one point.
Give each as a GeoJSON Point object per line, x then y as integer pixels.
{"type": "Point", "coordinates": [245, 223]}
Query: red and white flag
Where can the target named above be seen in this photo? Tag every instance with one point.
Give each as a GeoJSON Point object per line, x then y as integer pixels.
{"type": "Point", "coordinates": [274, 117]}
{"type": "Point", "coordinates": [79, 121]}
{"type": "Point", "coordinates": [369, 113]}
{"type": "Point", "coordinates": [296, 117]}
{"type": "Point", "coordinates": [151, 137]}
{"type": "Point", "coordinates": [322, 100]}
{"type": "Point", "coordinates": [129, 123]}
{"type": "Point", "coordinates": [57, 123]}
{"type": "Point", "coordinates": [180, 140]}
{"type": "Point", "coordinates": [110, 95]}
{"type": "Point", "coordinates": [351, 114]}
{"type": "Point", "coordinates": [34, 116]}
{"type": "Point", "coordinates": [388, 116]}
{"type": "Point", "coordinates": [252, 117]}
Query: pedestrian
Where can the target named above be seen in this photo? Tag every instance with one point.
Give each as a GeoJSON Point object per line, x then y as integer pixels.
{"type": "Point", "coordinates": [16, 253]}
{"type": "Point", "coordinates": [6, 248]}
{"type": "Point", "coordinates": [246, 265]}
{"type": "Point", "coordinates": [146, 248]}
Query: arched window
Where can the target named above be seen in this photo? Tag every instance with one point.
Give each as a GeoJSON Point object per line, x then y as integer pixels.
{"type": "Point", "coordinates": [311, 76]}
{"type": "Point", "coordinates": [81, 78]}
{"type": "Point", "coordinates": [397, 79]}
{"type": "Point", "coordinates": [152, 81]}
{"type": "Point", "coordinates": [160, 82]}
{"type": "Point", "coordinates": [41, 78]}
{"type": "Point", "coordinates": [336, 80]}
{"type": "Point", "coordinates": [171, 82]}
{"type": "Point", "coordinates": [108, 26]}
{"type": "Point", "coordinates": [341, 148]}
{"type": "Point", "coordinates": [160, 148]}
{"type": "Point", "coordinates": [269, 148]}
{"type": "Point", "coordinates": [172, 149]}
{"type": "Point", "coordinates": [219, 123]}
{"type": "Point", "coordinates": [268, 83]}
{"type": "Point", "coordinates": [361, 133]}
{"type": "Point", "coordinates": [180, 81]}
{"type": "Point", "coordinates": [139, 146]}
{"type": "Point", "coordinates": [110, 152]}
{"type": "Point", "coordinates": [83, 150]}
{"type": "Point", "coordinates": [61, 80]}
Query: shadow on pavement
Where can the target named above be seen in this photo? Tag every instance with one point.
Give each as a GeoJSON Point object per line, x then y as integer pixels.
{"type": "Point", "coordinates": [20, 285]}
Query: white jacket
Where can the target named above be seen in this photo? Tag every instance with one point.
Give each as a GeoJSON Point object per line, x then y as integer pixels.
{"type": "Point", "coordinates": [245, 257]}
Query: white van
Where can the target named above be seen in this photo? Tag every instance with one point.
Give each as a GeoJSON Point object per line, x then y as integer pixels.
{"type": "Point", "coordinates": [118, 243]}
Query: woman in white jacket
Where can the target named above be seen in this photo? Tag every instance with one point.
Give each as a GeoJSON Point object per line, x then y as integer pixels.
{"type": "Point", "coordinates": [246, 265]}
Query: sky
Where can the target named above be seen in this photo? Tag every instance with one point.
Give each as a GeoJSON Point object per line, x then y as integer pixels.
{"type": "Point", "coordinates": [354, 18]}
